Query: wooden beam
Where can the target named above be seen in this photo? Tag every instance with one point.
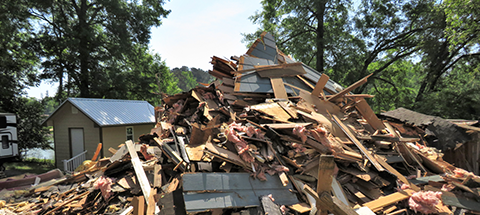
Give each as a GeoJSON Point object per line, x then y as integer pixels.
{"type": "Point", "coordinates": [139, 172]}
{"type": "Point", "coordinates": [97, 152]}
{"type": "Point", "coordinates": [320, 85]}
{"type": "Point", "coordinates": [138, 205]}
{"type": "Point", "coordinates": [326, 166]}
{"type": "Point", "coordinates": [360, 146]}
{"type": "Point", "coordinates": [330, 203]}
{"type": "Point", "coordinates": [350, 88]}
{"type": "Point", "coordinates": [378, 204]}
{"type": "Point", "coordinates": [367, 113]}
{"type": "Point", "coordinates": [396, 173]}
{"type": "Point", "coordinates": [279, 88]}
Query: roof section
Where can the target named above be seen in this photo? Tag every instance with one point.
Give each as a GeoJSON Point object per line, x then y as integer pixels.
{"type": "Point", "coordinates": [111, 112]}
{"type": "Point", "coordinates": [448, 134]}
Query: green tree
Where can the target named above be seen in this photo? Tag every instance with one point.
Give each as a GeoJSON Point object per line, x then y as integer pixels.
{"type": "Point", "coordinates": [82, 39]}
{"type": "Point", "coordinates": [17, 71]}
{"type": "Point", "coordinates": [185, 77]}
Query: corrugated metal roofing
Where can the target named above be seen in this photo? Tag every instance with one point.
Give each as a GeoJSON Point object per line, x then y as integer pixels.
{"type": "Point", "coordinates": [110, 112]}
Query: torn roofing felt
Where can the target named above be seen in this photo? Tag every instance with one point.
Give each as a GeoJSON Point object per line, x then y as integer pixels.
{"type": "Point", "coordinates": [449, 135]}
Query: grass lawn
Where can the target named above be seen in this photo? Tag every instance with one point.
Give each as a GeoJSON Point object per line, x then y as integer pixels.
{"type": "Point", "coordinates": [34, 166]}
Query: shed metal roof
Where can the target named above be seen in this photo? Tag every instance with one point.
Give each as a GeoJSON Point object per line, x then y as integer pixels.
{"type": "Point", "coordinates": [111, 112]}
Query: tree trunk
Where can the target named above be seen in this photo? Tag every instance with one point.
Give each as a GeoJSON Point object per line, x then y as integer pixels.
{"type": "Point", "coordinates": [320, 41]}
{"type": "Point", "coordinates": [84, 51]}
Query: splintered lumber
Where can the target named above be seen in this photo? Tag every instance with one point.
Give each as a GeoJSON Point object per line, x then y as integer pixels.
{"type": "Point", "coordinates": [350, 88]}
{"type": "Point", "coordinates": [170, 153]}
{"type": "Point", "coordinates": [320, 85]}
{"type": "Point", "coordinates": [279, 88]}
{"type": "Point", "coordinates": [367, 113]}
{"type": "Point", "coordinates": [358, 144]}
{"type": "Point", "coordinates": [68, 202]}
{"type": "Point", "coordinates": [225, 155]}
{"type": "Point", "coordinates": [301, 207]}
{"type": "Point", "coordinates": [326, 166]}
{"type": "Point", "coordinates": [286, 125]}
{"type": "Point", "coordinates": [139, 172]}
{"type": "Point", "coordinates": [378, 204]}
{"type": "Point", "coordinates": [331, 203]}
{"type": "Point", "coordinates": [97, 152]}
{"type": "Point", "coordinates": [396, 173]}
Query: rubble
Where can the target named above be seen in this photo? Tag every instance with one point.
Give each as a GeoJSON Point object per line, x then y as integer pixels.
{"type": "Point", "coordinates": [270, 135]}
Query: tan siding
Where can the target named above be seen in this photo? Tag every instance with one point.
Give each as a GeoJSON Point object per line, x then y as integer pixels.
{"type": "Point", "coordinates": [62, 121]}
{"type": "Point", "coordinates": [114, 136]}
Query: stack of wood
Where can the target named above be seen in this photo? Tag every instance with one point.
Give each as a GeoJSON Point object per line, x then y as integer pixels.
{"type": "Point", "coordinates": [270, 136]}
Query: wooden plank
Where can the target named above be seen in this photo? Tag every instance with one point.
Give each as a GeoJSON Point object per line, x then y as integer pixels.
{"type": "Point", "coordinates": [279, 88]}
{"type": "Point", "coordinates": [272, 109]}
{"type": "Point", "coordinates": [228, 81]}
{"type": "Point", "coordinates": [97, 152]}
{"type": "Point", "coordinates": [151, 202]}
{"type": "Point", "coordinates": [225, 155]}
{"type": "Point", "coordinates": [269, 207]}
{"type": "Point", "coordinates": [139, 172]}
{"type": "Point", "coordinates": [301, 207]}
{"type": "Point", "coordinates": [112, 150]}
{"type": "Point", "coordinates": [326, 166]}
{"type": "Point", "coordinates": [320, 85]}
{"type": "Point", "coordinates": [378, 204]}
{"type": "Point", "coordinates": [350, 88]}
{"type": "Point", "coordinates": [278, 71]}
{"type": "Point", "coordinates": [286, 125]}
{"type": "Point", "coordinates": [321, 106]}
{"type": "Point", "coordinates": [358, 144]}
{"type": "Point", "coordinates": [330, 203]}
{"type": "Point", "coordinates": [157, 175]}
{"type": "Point", "coordinates": [367, 113]}
{"type": "Point", "coordinates": [396, 173]}
{"type": "Point", "coordinates": [138, 203]}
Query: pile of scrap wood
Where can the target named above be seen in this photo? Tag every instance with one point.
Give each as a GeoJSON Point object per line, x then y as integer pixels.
{"type": "Point", "coordinates": [270, 136]}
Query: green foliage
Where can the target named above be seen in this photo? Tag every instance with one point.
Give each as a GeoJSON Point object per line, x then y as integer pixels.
{"type": "Point", "coordinates": [457, 94]}
{"type": "Point", "coordinates": [414, 49]}
{"type": "Point", "coordinates": [87, 43]}
{"type": "Point", "coordinates": [189, 78]}
{"type": "Point", "coordinates": [396, 87]}
{"type": "Point", "coordinates": [463, 24]}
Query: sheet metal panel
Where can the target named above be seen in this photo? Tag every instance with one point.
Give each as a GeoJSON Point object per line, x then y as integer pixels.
{"type": "Point", "coordinates": [227, 190]}
{"type": "Point", "coordinates": [107, 112]}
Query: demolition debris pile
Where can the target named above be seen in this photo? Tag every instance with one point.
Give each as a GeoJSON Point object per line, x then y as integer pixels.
{"type": "Point", "coordinates": [269, 136]}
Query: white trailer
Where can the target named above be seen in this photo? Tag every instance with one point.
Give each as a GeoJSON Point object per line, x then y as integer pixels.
{"type": "Point", "coordinates": [8, 138]}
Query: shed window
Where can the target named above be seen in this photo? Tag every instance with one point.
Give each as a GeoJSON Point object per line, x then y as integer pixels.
{"type": "Point", "coordinates": [130, 133]}
{"type": "Point", "coordinates": [5, 141]}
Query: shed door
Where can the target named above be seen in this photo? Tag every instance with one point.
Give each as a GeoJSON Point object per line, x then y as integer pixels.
{"type": "Point", "coordinates": [76, 141]}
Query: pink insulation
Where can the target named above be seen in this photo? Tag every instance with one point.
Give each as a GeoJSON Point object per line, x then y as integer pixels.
{"type": "Point", "coordinates": [143, 150]}
{"type": "Point", "coordinates": [298, 147]}
{"type": "Point", "coordinates": [404, 186]}
{"type": "Point", "coordinates": [461, 173]}
{"type": "Point", "coordinates": [301, 132]}
{"type": "Point", "coordinates": [105, 185]}
{"type": "Point", "coordinates": [240, 144]}
{"type": "Point", "coordinates": [425, 201]}
{"type": "Point", "coordinates": [448, 187]}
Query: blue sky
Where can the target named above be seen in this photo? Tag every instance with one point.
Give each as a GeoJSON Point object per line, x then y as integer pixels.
{"type": "Point", "coordinates": [193, 33]}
